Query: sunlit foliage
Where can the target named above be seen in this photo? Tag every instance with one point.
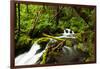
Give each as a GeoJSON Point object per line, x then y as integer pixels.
{"type": "Point", "coordinates": [35, 20]}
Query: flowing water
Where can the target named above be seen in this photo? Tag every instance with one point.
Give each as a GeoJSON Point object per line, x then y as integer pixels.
{"type": "Point", "coordinates": [31, 57]}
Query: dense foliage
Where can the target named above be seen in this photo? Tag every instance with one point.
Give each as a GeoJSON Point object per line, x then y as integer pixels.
{"type": "Point", "coordinates": [32, 21]}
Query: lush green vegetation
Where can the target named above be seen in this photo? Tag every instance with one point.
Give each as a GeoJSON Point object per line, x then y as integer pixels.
{"type": "Point", "coordinates": [32, 21]}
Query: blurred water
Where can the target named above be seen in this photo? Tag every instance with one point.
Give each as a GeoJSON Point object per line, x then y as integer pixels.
{"type": "Point", "coordinates": [31, 57]}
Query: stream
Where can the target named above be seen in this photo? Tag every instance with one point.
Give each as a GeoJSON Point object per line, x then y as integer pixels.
{"type": "Point", "coordinates": [69, 54]}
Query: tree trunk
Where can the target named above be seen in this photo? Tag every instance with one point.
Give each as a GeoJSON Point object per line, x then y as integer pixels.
{"type": "Point", "coordinates": [57, 17]}
{"type": "Point", "coordinates": [18, 18]}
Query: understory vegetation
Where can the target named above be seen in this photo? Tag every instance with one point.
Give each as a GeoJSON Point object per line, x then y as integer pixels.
{"type": "Point", "coordinates": [33, 21]}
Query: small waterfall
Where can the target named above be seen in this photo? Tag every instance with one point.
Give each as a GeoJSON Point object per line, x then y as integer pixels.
{"type": "Point", "coordinates": [31, 57]}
